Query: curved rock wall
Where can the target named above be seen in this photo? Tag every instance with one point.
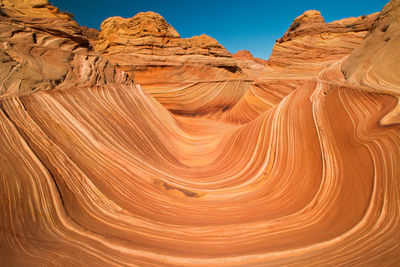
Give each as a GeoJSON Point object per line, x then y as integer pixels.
{"type": "Point", "coordinates": [193, 165]}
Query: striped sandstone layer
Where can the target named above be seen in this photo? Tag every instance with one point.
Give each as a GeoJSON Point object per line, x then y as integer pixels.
{"type": "Point", "coordinates": [302, 173]}
{"type": "Point", "coordinates": [174, 70]}
{"type": "Point", "coordinates": [42, 48]}
{"type": "Point", "coordinates": [310, 44]}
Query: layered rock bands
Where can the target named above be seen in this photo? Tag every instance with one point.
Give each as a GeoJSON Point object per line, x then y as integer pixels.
{"type": "Point", "coordinates": [134, 147]}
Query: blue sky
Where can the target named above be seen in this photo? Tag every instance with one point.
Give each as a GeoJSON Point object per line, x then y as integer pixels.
{"type": "Point", "coordinates": [253, 25]}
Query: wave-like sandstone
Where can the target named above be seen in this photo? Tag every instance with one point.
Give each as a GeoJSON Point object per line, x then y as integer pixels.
{"type": "Point", "coordinates": [310, 44]}
{"type": "Point", "coordinates": [114, 156]}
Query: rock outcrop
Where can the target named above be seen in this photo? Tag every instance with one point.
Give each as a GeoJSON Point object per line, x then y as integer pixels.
{"type": "Point", "coordinates": [311, 45]}
{"type": "Point", "coordinates": [148, 34]}
{"type": "Point", "coordinates": [373, 65]}
{"type": "Point", "coordinates": [194, 164]}
{"type": "Point", "coordinates": [247, 56]}
{"type": "Point", "coordinates": [91, 34]}
{"type": "Point", "coordinates": [42, 48]}
{"type": "Point", "coordinates": [167, 66]}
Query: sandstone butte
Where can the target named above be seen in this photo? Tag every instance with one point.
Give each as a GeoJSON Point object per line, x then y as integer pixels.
{"type": "Point", "coordinates": [133, 146]}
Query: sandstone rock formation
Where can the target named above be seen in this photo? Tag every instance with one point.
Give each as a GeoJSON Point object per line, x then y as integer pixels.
{"type": "Point", "coordinates": [175, 71]}
{"type": "Point", "coordinates": [275, 166]}
{"type": "Point", "coordinates": [249, 64]}
{"type": "Point", "coordinates": [247, 56]}
{"type": "Point", "coordinates": [42, 48]}
{"type": "Point", "coordinates": [372, 65]}
{"type": "Point", "coordinates": [91, 34]}
{"type": "Point", "coordinates": [148, 34]}
{"type": "Point", "coordinates": [311, 45]}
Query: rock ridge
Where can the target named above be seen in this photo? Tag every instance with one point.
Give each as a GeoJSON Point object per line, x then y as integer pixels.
{"type": "Point", "coordinates": [148, 33]}
{"type": "Point", "coordinates": [310, 44]}
{"type": "Point", "coordinates": [42, 48]}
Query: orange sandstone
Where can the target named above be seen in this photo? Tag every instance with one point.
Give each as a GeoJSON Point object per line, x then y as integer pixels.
{"type": "Point", "coordinates": [197, 158]}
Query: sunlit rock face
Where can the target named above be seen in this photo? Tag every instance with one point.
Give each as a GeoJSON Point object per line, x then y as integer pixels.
{"type": "Point", "coordinates": [189, 76]}
{"type": "Point", "coordinates": [42, 48]}
{"type": "Point", "coordinates": [374, 64]}
{"type": "Point", "coordinates": [149, 37]}
{"type": "Point", "coordinates": [311, 45]}
{"type": "Point", "coordinates": [106, 161]}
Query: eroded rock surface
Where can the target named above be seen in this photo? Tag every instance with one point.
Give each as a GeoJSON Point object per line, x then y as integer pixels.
{"type": "Point", "coordinates": [311, 45]}
{"type": "Point", "coordinates": [42, 48]}
{"type": "Point", "coordinates": [152, 40]}
{"type": "Point", "coordinates": [247, 56]}
{"type": "Point", "coordinates": [197, 164]}
{"type": "Point", "coordinates": [167, 66]}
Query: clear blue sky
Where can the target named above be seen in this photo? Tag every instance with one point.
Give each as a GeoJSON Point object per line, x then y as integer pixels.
{"type": "Point", "coordinates": [253, 25]}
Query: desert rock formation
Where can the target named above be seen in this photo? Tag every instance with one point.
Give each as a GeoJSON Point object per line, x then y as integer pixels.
{"type": "Point", "coordinates": [123, 151]}
{"type": "Point", "coordinates": [247, 56]}
{"type": "Point", "coordinates": [372, 66]}
{"type": "Point", "coordinates": [311, 45]}
{"type": "Point", "coordinates": [189, 76]}
{"type": "Point", "coordinates": [153, 41]}
{"type": "Point", "coordinates": [42, 48]}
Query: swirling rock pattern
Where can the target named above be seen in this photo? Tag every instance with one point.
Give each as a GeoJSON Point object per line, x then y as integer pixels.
{"type": "Point", "coordinates": [298, 170]}
{"type": "Point", "coordinates": [148, 34]}
{"type": "Point", "coordinates": [311, 45]}
{"type": "Point", "coordinates": [191, 76]}
{"type": "Point", "coordinates": [42, 48]}
{"type": "Point", "coordinates": [371, 66]}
